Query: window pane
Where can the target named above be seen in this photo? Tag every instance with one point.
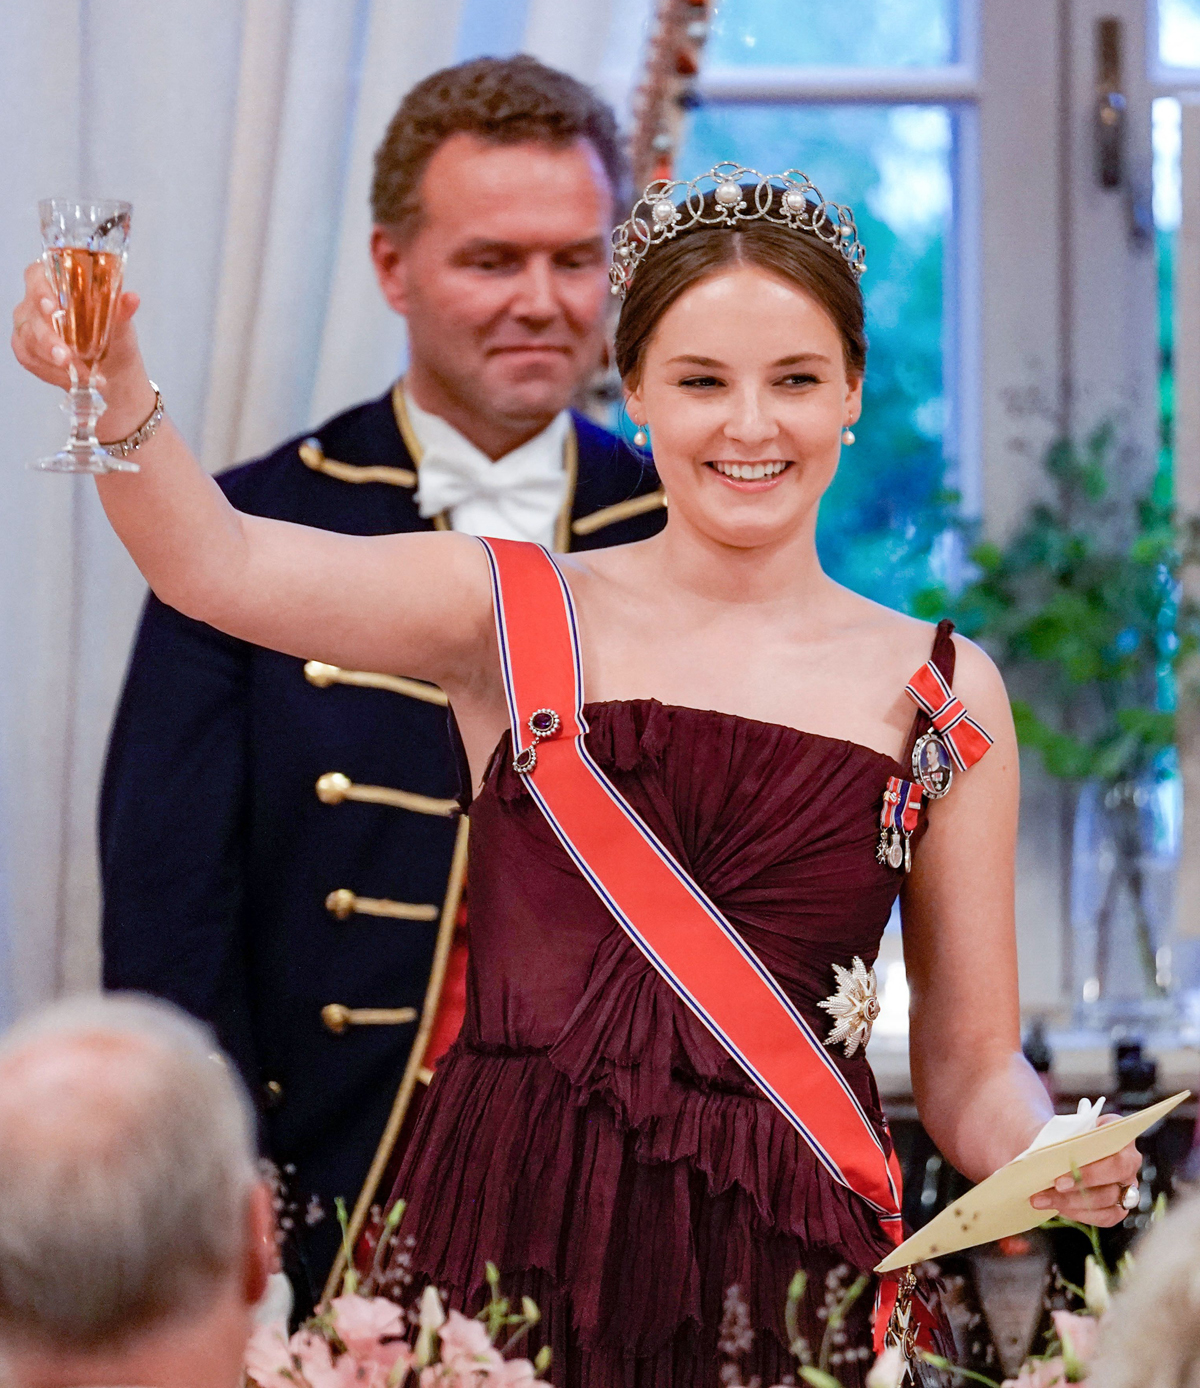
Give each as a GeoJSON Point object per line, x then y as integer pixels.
{"type": "Point", "coordinates": [879, 33]}
{"type": "Point", "coordinates": [881, 520]}
{"type": "Point", "coordinates": [1179, 32]}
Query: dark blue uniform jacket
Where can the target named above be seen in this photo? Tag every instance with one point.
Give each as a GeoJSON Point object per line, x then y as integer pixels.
{"type": "Point", "coordinates": [218, 857]}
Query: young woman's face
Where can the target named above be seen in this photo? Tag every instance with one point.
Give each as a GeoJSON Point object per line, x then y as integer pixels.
{"type": "Point", "coordinates": [745, 393]}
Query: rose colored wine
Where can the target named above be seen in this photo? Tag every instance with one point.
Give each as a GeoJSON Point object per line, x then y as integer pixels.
{"type": "Point", "coordinates": [88, 285]}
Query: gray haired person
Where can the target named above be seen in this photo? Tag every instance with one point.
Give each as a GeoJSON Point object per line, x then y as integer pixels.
{"type": "Point", "coordinates": [136, 1236]}
{"type": "Point", "coordinates": [1150, 1337]}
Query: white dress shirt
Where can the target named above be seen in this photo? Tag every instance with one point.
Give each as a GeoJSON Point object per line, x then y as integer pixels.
{"type": "Point", "coordinates": [517, 497]}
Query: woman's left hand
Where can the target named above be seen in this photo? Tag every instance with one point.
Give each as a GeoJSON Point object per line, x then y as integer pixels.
{"type": "Point", "coordinates": [1095, 1196]}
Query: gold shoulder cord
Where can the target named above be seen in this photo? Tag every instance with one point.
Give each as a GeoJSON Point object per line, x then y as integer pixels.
{"type": "Point", "coordinates": [414, 1071]}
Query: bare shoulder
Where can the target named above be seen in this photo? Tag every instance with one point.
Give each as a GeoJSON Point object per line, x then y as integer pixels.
{"type": "Point", "coordinates": [891, 640]}
{"type": "Point", "coordinates": [906, 643]}
{"type": "Point", "coordinates": [979, 684]}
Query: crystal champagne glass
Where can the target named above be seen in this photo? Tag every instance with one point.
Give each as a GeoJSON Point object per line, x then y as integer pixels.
{"type": "Point", "coordinates": [84, 247]}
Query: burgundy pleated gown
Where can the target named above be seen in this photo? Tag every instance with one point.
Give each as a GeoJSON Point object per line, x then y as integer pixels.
{"type": "Point", "coordinates": [586, 1133]}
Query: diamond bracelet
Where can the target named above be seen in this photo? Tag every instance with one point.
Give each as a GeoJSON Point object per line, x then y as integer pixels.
{"type": "Point", "coordinates": [122, 448]}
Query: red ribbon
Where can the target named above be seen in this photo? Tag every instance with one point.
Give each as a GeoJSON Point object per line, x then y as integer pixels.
{"type": "Point", "coordinates": [965, 740]}
{"type": "Point", "coordinates": [901, 805]}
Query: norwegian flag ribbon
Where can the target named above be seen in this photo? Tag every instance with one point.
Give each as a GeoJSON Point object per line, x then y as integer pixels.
{"type": "Point", "coordinates": [965, 740]}
{"type": "Point", "coordinates": [901, 805]}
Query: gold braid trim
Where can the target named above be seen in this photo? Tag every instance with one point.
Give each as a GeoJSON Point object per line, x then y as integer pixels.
{"type": "Point", "coordinates": [622, 510]}
{"type": "Point", "coordinates": [414, 1070]}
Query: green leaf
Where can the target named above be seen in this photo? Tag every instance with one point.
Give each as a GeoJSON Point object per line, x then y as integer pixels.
{"type": "Point", "coordinates": [930, 604]}
{"type": "Point", "coordinates": [818, 1377]}
{"type": "Point", "coordinates": [988, 556]}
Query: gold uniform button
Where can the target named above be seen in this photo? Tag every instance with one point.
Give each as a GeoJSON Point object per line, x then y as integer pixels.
{"type": "Point", "coordinates": [343, 903]}
{"type": "Point", "coordinates": [337, 1016]}
{"type": "Point", "coordinates": [333, 787]}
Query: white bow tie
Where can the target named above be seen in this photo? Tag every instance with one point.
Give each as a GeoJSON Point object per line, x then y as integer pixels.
{"type": "Point", "coordinates": [519, 488]}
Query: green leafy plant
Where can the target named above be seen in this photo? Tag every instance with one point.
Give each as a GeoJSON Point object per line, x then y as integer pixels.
{"type": "Point", "coordinates": [1082, 609]}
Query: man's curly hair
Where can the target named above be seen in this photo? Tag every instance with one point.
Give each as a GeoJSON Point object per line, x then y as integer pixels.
{"type": "Point", "coordinates": [506, 100]}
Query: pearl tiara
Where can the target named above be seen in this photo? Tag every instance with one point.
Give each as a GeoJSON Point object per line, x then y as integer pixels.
{"type": "Point", "coordinates": [737, 195]}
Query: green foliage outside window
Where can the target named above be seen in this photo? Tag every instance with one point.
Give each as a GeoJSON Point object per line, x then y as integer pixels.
{"type": "Point", "coordinates": [1082, 608]}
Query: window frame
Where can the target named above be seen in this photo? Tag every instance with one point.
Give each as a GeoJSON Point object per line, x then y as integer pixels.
{"type": "Point", "coordinates": [958, 87]}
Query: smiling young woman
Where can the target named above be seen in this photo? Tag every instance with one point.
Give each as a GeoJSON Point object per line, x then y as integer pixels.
{"type": "Point", "coordinates": [696, 803]}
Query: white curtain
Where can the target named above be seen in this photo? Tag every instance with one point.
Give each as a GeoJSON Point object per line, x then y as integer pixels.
{"type": "Point", "coordinates": [242, 131]}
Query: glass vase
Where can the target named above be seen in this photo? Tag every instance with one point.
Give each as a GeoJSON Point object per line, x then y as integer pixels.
{"type": "Point", "coordinates": [1124, 851]}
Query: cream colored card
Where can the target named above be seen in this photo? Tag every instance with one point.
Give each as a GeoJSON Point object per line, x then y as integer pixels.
{"type": "Point", "coordinates": [999, 1207]}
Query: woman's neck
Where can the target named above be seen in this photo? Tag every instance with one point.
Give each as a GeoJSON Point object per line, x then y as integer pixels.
{"type": "Point", "coordinates": [785, 573]}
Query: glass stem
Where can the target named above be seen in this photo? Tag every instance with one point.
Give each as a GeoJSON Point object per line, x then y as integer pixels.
{"type": "Point", "coordinates": [86, 407]}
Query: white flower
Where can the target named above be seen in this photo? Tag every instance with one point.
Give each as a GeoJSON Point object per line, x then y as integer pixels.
{"type": "Point", "coordinates": [431, 1320]}
{"type": "Point", "coordinates": [889, 1369]}
{"type": "Point", "coordinates": [854, 1007]}
{"type": "Point", "coordinates": [1096, 1295]}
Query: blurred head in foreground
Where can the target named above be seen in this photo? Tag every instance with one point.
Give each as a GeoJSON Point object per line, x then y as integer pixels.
{"type": "Point", "coordinates": [1151, 1333]}
{"type": "Point", "coordinates": [135, 1235]}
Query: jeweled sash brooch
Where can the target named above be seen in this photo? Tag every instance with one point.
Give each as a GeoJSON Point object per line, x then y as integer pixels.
{"type": "Point", "coordinates": [543, 723]}
{"type": "Point", "coordinates": [854, 1007]}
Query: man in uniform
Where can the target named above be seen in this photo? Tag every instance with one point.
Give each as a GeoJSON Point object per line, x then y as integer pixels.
{"type": "Point", "coordinates": [282, 853]}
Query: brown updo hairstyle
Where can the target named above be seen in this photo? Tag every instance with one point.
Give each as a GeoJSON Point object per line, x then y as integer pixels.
{"type": "Point", "coordinates": [798, 257]}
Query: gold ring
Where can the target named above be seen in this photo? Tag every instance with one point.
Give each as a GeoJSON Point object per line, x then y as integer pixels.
{"type": "Point", "coordinates": [1131, 1196]}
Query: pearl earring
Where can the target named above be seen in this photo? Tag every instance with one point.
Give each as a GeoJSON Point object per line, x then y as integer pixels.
{"type": "Point", "coordinates": [847, 436]}
{"type": "Point", "coordinates": [641, 438]}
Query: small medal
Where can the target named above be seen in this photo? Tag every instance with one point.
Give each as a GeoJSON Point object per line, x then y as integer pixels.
{"type": "Point", "coordinates": [895, 855]}
{"type": "Point", "coordinates": [897, 820]}
{"type": "Point", "coordinates": [931, 765]}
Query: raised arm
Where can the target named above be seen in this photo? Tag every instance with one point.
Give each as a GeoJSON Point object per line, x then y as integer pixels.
{"type": "Point", "coordinates": [407, 604]}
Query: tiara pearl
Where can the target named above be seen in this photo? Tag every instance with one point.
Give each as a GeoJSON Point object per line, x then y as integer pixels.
{"type": "Point", "coordinates": [739, 194]}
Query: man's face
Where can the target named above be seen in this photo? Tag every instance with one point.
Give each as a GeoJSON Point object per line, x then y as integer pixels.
{"type": "Point", "coordinates": [504, 281]}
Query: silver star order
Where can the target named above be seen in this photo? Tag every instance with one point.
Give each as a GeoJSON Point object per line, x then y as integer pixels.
{"type": "Point", "coordinates": [854, 1007]}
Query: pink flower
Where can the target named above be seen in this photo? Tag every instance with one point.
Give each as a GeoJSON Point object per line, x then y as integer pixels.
{"type": "Point", "coordinates": [315, 1359]}
{"type": "Point", "coordinates": [1078, 1335]}
{"type": "Point", "coordinates": [517, 1373]}
{"type": "Point", "coordinates": [355, 1373]}
{"type": "Point", "coordinates": [462, 1338]}
{"type": "Point", "coordinates": [467, 1352]}
{"type": "Point", "coordinates": [363, 1322]}
{"type": "Point", "coordinates": [1038, 1373]}
{"type": "Point", "coordinates": [268, 1361]}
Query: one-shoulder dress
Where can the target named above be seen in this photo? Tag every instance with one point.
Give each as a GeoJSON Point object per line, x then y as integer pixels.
{"type": "Point", "coordinates": [586, 1133]}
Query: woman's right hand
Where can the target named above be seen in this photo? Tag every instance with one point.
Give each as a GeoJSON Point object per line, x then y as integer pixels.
{"type": "Point", "coordinates": [38, 345]}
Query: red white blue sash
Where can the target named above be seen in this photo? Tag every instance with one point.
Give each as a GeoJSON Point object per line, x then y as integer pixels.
{"type": "Point", "coordinates": [684, 936]}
